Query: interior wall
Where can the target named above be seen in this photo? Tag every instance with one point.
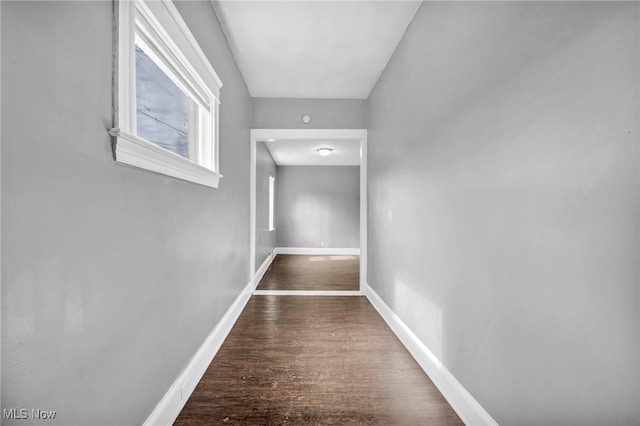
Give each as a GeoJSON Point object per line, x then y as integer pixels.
{"type": "Point", "coordinates": [265, 239]}
{"type": "Point", "coordinates": [275, 113]}
{"type": "Point", "coordinates": [504, 207]}
{"type": "Point", "coordinates": [316, 205]}
{"type": "Point", "coordinates": [112, 276]}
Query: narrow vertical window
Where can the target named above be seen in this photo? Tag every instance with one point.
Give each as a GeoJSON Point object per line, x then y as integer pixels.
{"type": "Point", "coordinates": [272, 193]}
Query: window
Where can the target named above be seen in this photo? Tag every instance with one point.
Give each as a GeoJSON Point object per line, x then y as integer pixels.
{"type": "Point", "coordinates": [165, 115]}
{"type": "Point", "coordinates": [272, 193]}
{"type": "Point", "coordinates": [167, 95]}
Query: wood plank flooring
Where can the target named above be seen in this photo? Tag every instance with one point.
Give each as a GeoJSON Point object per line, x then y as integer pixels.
{"type": "Point", "coordinates": [301, 272]}
{"type": "Point", "coordinates": [314, 360]}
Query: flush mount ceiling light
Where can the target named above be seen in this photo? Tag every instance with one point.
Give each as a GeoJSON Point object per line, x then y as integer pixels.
{"type": "Point", "coordinates": [270, 140]}
{"type": "Point", "coordinates": [325, 152]}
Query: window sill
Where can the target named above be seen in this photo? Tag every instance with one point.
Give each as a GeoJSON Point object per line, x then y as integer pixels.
{"type": "Point", "coordinates": [136, 151]}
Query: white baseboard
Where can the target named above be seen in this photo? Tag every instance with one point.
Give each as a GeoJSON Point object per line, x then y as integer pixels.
{"type": "Point", "coordinates": [317, 251]}
{"type": "Point", "coordinates": [263, 268]}
{"type": "Point", "coordinates": [469, 410]}
{"type": "Point", "coordinates": [172, 402]}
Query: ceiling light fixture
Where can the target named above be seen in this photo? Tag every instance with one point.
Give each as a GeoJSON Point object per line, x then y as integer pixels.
{"type": "Point", "coordinates": [325, 152]}
{"type": "Point", "coordinates": [270, 140]}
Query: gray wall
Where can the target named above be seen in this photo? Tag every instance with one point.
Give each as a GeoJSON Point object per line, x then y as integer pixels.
{"type": "Point", "coordinates": [265, 167]}
{"type": "Point", "coordinates": [272, 113]}
{"type": "Point", "coordinates": [318, 203]}
{"type": "Point", "coordinates": [112, 277]}
{"type": "Point", "coordinates": [504, 138]}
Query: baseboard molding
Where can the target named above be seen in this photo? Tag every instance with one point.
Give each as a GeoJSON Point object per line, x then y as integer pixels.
{"type": "Point", "coordinates": [469, 410]}
{"type": "Point", "coordinates": [307, 293]}
{"type": "Point", "coordinates": [263, 269]}
{"type": "Point", "coordinates": [317, 251]}
{"type": "Point", "coordinates": [171, 404]}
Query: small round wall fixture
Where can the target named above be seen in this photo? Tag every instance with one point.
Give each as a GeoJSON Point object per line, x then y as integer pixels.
{"type": "Point", "coordinates": [306, 119]}
{"type": "Point", "coordinates": [324, 152]}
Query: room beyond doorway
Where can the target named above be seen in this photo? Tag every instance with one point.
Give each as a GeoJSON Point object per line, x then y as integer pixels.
{"type": "Point", "coordinates": [320, 210]}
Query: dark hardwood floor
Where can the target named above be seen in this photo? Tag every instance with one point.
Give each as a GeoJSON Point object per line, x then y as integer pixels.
{"type": "Point", "coordinates": [314, 360]}
{"type": "Point", "coordinates": [302, 272]}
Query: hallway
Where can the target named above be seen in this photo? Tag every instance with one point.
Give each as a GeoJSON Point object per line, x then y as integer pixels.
{"type": "Point", "coordinates": [481, 158]}
{"type": "Point", "coordinates": [314, 360]}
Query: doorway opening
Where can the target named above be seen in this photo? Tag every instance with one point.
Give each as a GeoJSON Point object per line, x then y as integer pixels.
{"type": "Point", "coordinates": [308, 221]}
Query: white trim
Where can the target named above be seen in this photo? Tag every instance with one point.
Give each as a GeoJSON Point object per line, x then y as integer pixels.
{"type": "Point", "coordinates": [0, 183]}
{"type": "Point", "coordinates": [252, 211]}
{"type": "Point", "coordinates": [258, 135]}
{"type": "Point", "coordinates": [363, 212]}
{"type": "Point", "coordinates": [263, 268]}
{"type": "Point", "coordinates": [307, 293]}
{"type": "Point", "coordinates": [172, 402]}
{"type": "Point", "coordinates": [203, 61]}
{"type": "Point", "coordinates": [298, 134]}
{"type": "Point", "coordinates": [124, 64]}
{"type": "Point", "coordinates": [469, 410]}
{"type": "Point", "coordinates": [136, 151]}
{"type": "Point", "coordinates": [317, 251]}
{"type": "Point", "coordinates": [160, 47]}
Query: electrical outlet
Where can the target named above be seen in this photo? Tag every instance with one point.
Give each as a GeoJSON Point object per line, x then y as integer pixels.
{"type": "Point", "coordinates": [322, 243]}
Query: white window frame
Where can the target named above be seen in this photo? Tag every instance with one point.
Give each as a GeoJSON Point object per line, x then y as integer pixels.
{"type": "Point", "coordinates": [272, 201]}
{"type": "Point", "coordinates": [158, 24]}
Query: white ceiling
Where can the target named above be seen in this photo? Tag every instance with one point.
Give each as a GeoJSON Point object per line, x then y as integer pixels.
{"type": "Point", "coordinates": [346, 152]}
{"type": "Point", "coordinates": [313, 49]}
